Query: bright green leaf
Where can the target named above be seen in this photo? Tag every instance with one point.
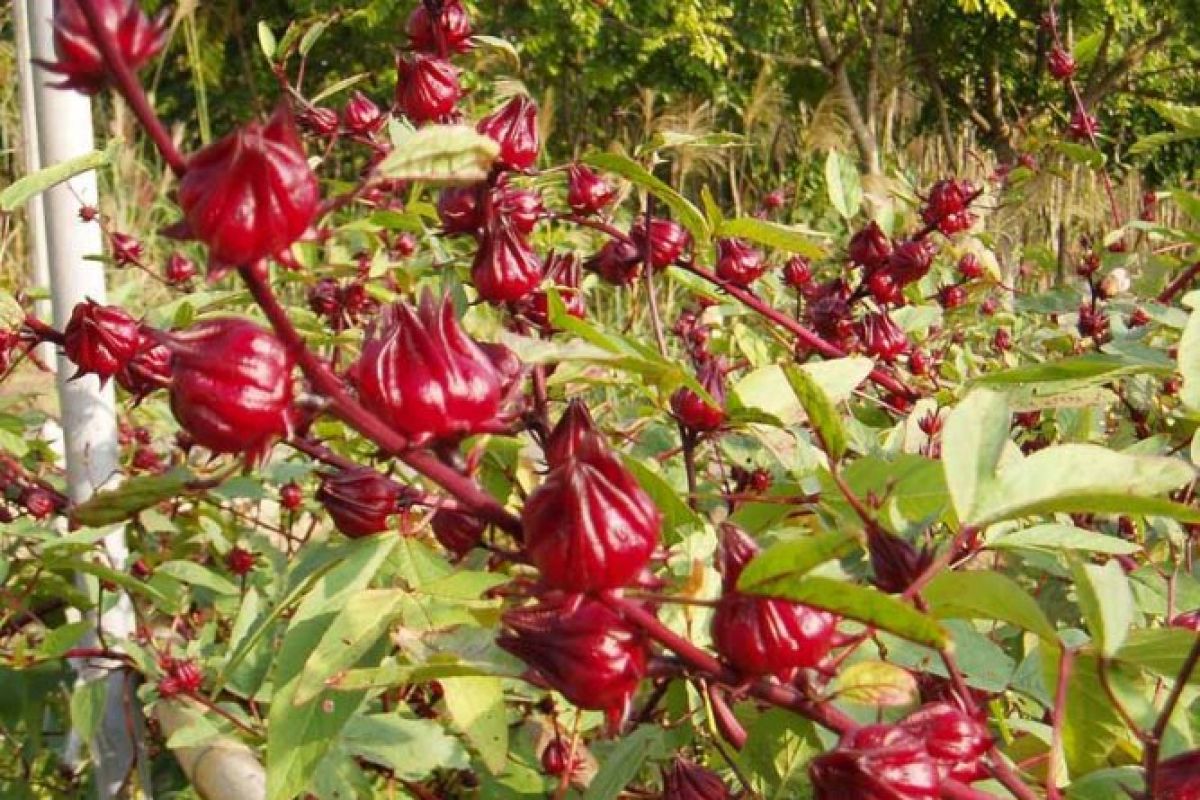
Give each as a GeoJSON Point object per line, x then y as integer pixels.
{"type": "Point", "coordinates": [689, 216]}
{"type": "Point", "coordinates": [986, 595]}
{"type": "Point", "coordinates": [1106, 600]}
{"type": "Point", "coordinates": [796, 558]}
{"type": "Point", "coordinates": [821, 413]}
{"type": "Point", "coordinates": [441, 155]}
{"type": "Point", "coordinates": [476, 707]}
{"type": "Point", "coordinates": [876, 684]}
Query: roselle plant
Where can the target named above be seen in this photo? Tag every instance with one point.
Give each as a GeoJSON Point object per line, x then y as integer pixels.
{"type": "Point", "coordinates": [487, 476]}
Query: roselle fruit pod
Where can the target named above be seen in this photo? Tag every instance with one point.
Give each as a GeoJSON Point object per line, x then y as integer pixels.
{"type": "Point", "coordinates": [459, 210]}
{"type": "Point", "coordinates": [359, 501]}
{"type": "Point", "coordinates": [567, 274]}
{"type": "Point", "coordinates": [895, 561]}
{"type": "Point", "coordinates": [695, 412]}
{"type": "Point", "coordinates": [1083, 126]}
{"type": "Point", "coordinates": [506, 269]}
{"type": "Point", "coordinates": [522, 209]}
{"type": "Point", "coordinates": [954, 740]}
{"type": "Point", "coordinates": [318, 121]}
{"type": "Point", "coordinates": [423, 375]}
{"type": "Point", "coordinates": [515, 127]}
{"type": "Point", "coordinates": [876, 762]}
{"type": "Point", "coordinates": [668, 241]}
{"type": "Point", "coordinates": [252, 194]}
{"type": "Point", "coordinates": [882, 337]}
{"type": "Point", "coordinates": [137, 37]}
{"type": "Point", "coordinates": [148, 370]}
{"type": "Point", "coordinates": [910, 261]}
{"type": "Point", "coordinates": [575, 436]}
{"type": "Point", "coordinates": [231, 385]}
{"type": "Point", "coordinates": [587, 192]}
{"type": "Point", "coordinates": [1179, 778]}
{"type": "Point", "coordinates": [580, 648]}
{"type": "Point", "coordinates": [590, 526]}
{"type": "Point", "coordinates": [100, 340]}
{"type": "Point", "coordinates": [180, 269]}
{"type": "Point", "coordinates": [762, 636]}
{"type": "Point", "coordinates": [617, 262]}
{"type": "Point", "coordinates": [687, 780]}
{"type": "Point", "coordinates": [1188, 620]}
{"type": "Point", "coordinates": [428, 88]}
{"type": "Point", "coordinates": [361, 116]}
{"type": "Point", "coordinates": [947, 206]}
{"type": "Point", "coordinates": [739, 263]}
{"type": "Point", "coordinates": [797, 272]}
{"type": "Point", "coordinates": [457, 532]}
{"type": "Point", "coordinates": [870, 247]}
{"type": "Point", "coordinates": [450, 33]}
{"type": "Point", "coordinates": [1061, 64]}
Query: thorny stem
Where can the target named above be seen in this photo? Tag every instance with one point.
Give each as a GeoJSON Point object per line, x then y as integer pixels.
{"type": "Point", "coordinates": [130, 88]}
{"type": "Point", "coordinates": [1150, 758]}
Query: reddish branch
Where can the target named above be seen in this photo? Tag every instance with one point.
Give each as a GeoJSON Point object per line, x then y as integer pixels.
{"type": "Point", "coordinates": [1179, 284]}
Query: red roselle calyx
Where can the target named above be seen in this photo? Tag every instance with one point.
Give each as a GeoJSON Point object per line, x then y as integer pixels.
{"type": "Point", "coordinates": [506, 269]}
{"type": "Point", "coordinates": [459, 210]}
{"type": "Point", "coordinates": [797, 273]}
{"type": "Point", "coordinates": [565, 271]}
{"type": "Point", "coordinates": [590, 526]}
{"type": "Point", "coordinates": [668, 241]}
{"type": "Point", "coordinates": [954, 740]}
{"type": "Point", "coordinates": [241, 561]}
{"type": "Point", "coordinates": [763, 636]}
{"type": "Point", "coordinates": [581, 648]}
{"type": "Point", "coordinates": [693, 411]}
{"type": "Point", "coordinates": [424, 376]}
{"type": "Point", "coordinates": [587, 192]}
{"type": "Point", "coordinates": [575, 435]}
{"type": "Point", "coordinates": [457, 532]}
{"type": "Point", "coordinates": [870, 247]}
{"type": "Point", "coordinates": [231, 385]}
{"type": "Point", "coordinates": [947, 208]}
{"type": "Point", "coordinates": [252, 194]}
{"type": "Point", "coordinates": [318, 121]}
{"type": "Point", "coordinates": [520, 208]}
{"type": "Point", "coordinates": [739, 263]}
{"type": "Point", "coordinates": [148, 370]}
{"type": "Point", "coordinates": [876, 762]}
{"type": "Point", "coordinates": [428, 88]}
{"type": "Point", "coordinates": [618, 262]}
{"type": "Point", "coordinates": [882, 338]}
{"type": "Point", "coordinates": [180, 269]}
{"type": "Point", "coordinates": [1179, 778]}
{"type": "Point", "coordinates": [449, 33]}
{"type": "Point", "coordinates": [1083, 126]}
{"type": "Point", "coordinates": [970, 267]}
{"type": "Point", "coordinates": [687, 780]}
{"type": "Point", "coordinates": [895, 561]}
{"type": "Point", "coordinates": [137, 38]}
{"type": "Point", "coordinates": [515, 127]}
{"type": "Point", "coordinates": [1061, 64]}
{"type": "Point", "coordinates": [100, 340]}
{"type": "Point", "coordinates": [361, 116]}
{"type": "Point", "coordinates": [359, 501]}
{"type": "Point", "coordinates": [911, 260]}
{"type": "Point", "coordinates": [1189, 620]}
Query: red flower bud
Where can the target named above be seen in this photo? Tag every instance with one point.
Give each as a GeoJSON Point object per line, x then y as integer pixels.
{"type": "Point", "coordinates": [505, 269]}
{"type": "Point", "coordinates": [240, 561]}
{"type": "Point", "coordinates": [361, 116]}
{"type": "Point", "coordinates": [876, 762]}
{"type": "Point", "coordinates": [575, 436]}
{"type": "Point", "coordinates": [738, 263]}
{"type": "Point", "coordinates": [558, 759]}
{"type": "Point", "coordinates": [686, 780]}
{"type": "Point", "coordinates": [882, 337]}
{"type": "Point", "coordinates": [459, 210]}
{"type": "Point", "coordinates": [100, 340]}
{"type": "Point", "coordinates": [451, 32]}
{"type": "Point", "coordinates": [291, 497]}
{"type": "Point", "coordinates": [952, 296]}
{"type": "Point", "coordinates": [522, 209]}
{"type": "Point", "coordinates": [870, 247]}
{"type": "Point", "coordinates": [424, 376]}
{"type": "Point", "coordinates": [1189, 620]}
{"type": "Point", "coordinates": [137, 37]}
{"type": "Point", "coordinates": [692, 410]}
{"type": "Point", "coordinates": [955, 741]}
{"type": "Point", "coordinates": [1002, 340]}
{"type": "Point", "coordinates": [947, 206]}
{"type": "Point", "coordinates": [251, 194]}
{"type": "Point", "coordinates": [318, 121]}
{"type": "Point", "coordinates": [989, 306]}
{"type": "Point", "coordinates": [829, 312]}
{"type": "Point", "coordinates": [359, 501]}
{"type": "Point", "coordinates": [581, 648]}
{"type": "Point", "coordinates": [1083, 126]}
{"type": "Point", "coordinates": [587, 192]}
{"type": "Point", "coordinates": [668, 241]}
{"type": "Point", "coordinates": [515, 127]}
{"type": "Point", "coordinates": [180, 269]}
{"type": "Point", "coordinates": [127, 250]}
{"type": "Point", "coordinates": [911, 260]}
{"type": "Point", "coordinates": [566, 274]}
{"type": "Point", "coordinates": [762, 636]}
{"type": "Point", "coordinates": [895, 561]}
{"type": "Point", "coordinates": [1179, 777]}
{"type": "Point", "coordinates": [231, 385]}
{"type": "Point", "coordinates": [797, 272]}
{"type": "Point", "coordinates": [38, 502]}
{"type": "Point", "coordinates": [148, 370]}
{"type": "Point", "coordinates": [457, 532]}
{"type": "Point", "coordinates": [774, 200]}
{"type": "Point", "coordinates": [970, 267]}
{"type": "Point", "coordinates": [884, 288]}
{"type": "Point", "coordinates": [590, 525]}
{"type": "Point", "coordinates": [1061, 64]}
{"type": "Point", "coordinates": [428, 88]}
{"type": "Point", "coordinates": [919, 362]}
{"type": "Point", "coordinates": [617, 262]}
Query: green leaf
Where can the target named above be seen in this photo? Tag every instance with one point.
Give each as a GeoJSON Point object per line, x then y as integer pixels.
{"type": "Point", "coordinates": [772, 234]}
{"type": "Point", "coordinates": [131, 498]}
{"type": "Point", "coordinates": [441, 155]}
{"type": "Point", "coordinates": [843, 183]}
{"type": "Point", "coordinates": [689, 216]}
{"type": "Point", "coordinates": [1086, 369]}
{"type": "Point", "coordinates": [266, 40]}
{"type": "Point", "coordinates": [624, 761]}
{"type": "Point", "coordinates": [1189, 355]}
{"type": "Point", "coordinates": [1082, 154]}
{"type": "Point", "coordinates": [1120, 783]}
{"type": "Point", "coordinates": [876, 684]}
{"type": "Point", "coordinates": [863, 604]}
{"type": "Point", "coordinates": [779, 745]}
{"type": "Point", "coordinates": [795, 559]}
{"type": "Point", "coordinates": [395, 674]}
{"type": "Point", "coordinates": [502, 46]}
{"type": "Point", "coordinates": [303, 734]}
{"type": "Point", "coordinates": [1163, 651]}
{"type": "Point", "coordinates": [1056, 537]}
{"type": "Point", "coordinates": [987, 595]}
{"type": "Point", "coordinates": [339, 86]}
{"type": "Point", "coordinates": [1092, 727]}
{"type": "Point", "coordinates": [192, 573]}
{"type": "Point", "coordinates": [821, 413]}
{"type": "Point", "coordinates": [766, 390]}
{"type": "Point", "coordinates": [1106, 600]}
{"type": "Point", "coordinates": [358, 627]}
{"type": "Point", "coordinates": [20, 191]}
{"type": "Point", "coordinates": [412, 748]}
{"type": "Point", "coordinates": [676, 512]}
{"type": "Point", "coordinates": [61, 639]}
{"type": "Point", "coordinates": [973, 439]}
{"type": "Point", "coordinates": [87, 707]}
{"type": "Point", "coordinates": [476, 707]}
{"type": "Point", "coordinates": [312, 35]}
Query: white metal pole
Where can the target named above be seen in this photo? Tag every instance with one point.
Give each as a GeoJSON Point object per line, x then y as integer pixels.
{"type": "Point", "coordinates": [64, 131]}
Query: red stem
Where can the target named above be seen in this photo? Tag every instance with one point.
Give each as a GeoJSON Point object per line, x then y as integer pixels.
{"type": "Point", "coordinates": [1179, 284]}
{"type": "Point", "coordinates": [1058, 717]}
{"type": "Point", "coordinates": [128, 85]}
